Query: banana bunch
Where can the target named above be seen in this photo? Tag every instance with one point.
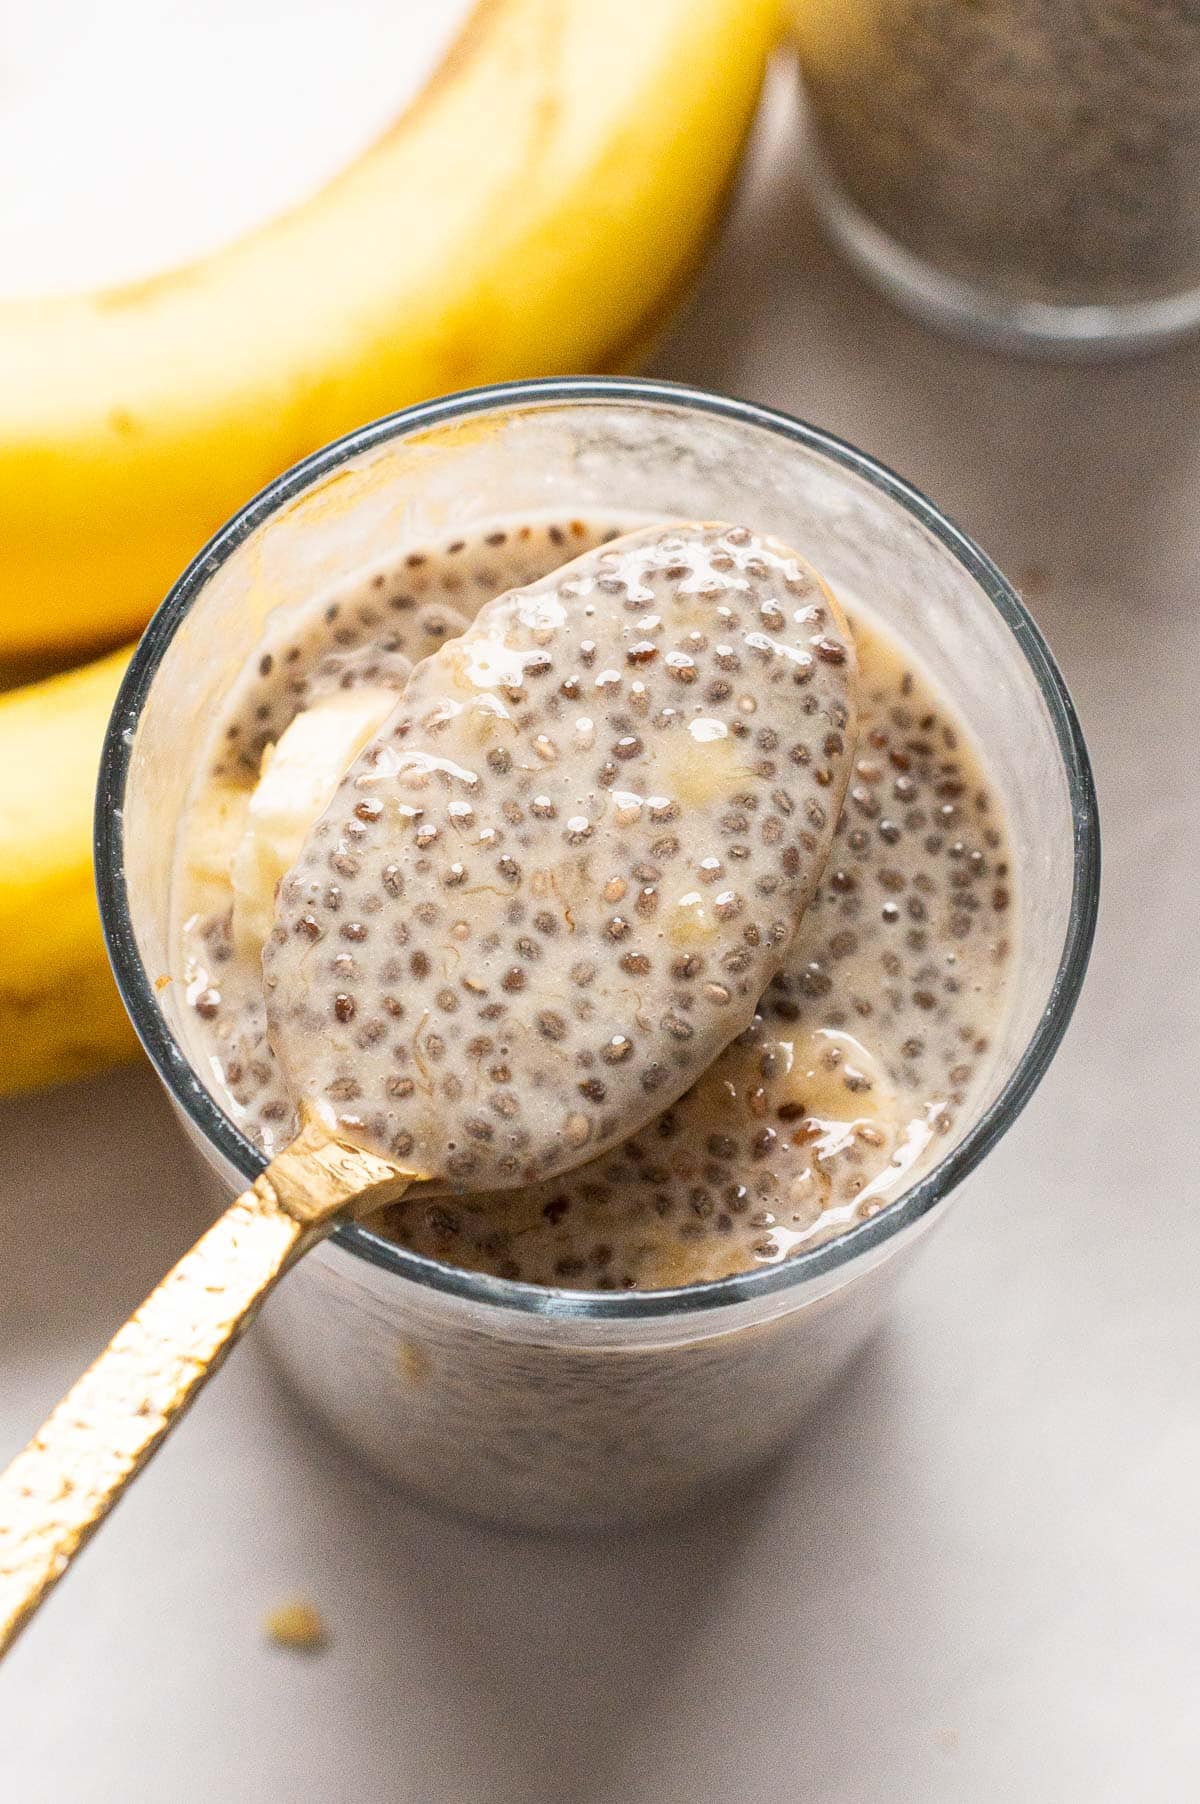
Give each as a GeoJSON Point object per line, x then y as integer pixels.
{"type": "Point", "coordinates": [537, 211]}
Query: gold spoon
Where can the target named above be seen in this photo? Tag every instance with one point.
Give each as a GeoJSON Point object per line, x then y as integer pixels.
{"type": "Point", "coordinates": [485, 755]}
{"type": "Point", "coordinates": [57, 1492]}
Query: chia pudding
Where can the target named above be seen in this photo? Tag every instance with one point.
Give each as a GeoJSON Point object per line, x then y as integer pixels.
{"type": "Point", "coordinates": [866, 1044]}
{"type": "Point", "coordinates": [1044, 151]}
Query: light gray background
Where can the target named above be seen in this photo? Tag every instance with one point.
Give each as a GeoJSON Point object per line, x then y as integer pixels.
{"type": "Point", "coordinates": [976, 1578]}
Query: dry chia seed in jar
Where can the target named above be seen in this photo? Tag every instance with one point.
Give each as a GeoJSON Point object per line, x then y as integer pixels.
{"type": "Point", "coordinates": [1046, 151]}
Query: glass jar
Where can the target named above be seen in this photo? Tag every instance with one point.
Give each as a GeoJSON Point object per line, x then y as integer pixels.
{"type": "Point", "coordinates": [1026, 170]}
{"type": "Point", "coordinates": [563, 1408]}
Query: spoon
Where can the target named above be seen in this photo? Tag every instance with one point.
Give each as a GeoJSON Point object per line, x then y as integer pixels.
{"type": "Point", "coordinates": [542, 899]}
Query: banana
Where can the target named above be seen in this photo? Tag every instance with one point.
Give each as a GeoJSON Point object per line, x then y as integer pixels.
{"type": "Point", "coordinates": [299, 776]}
{"type": "Point", "coordinates": [535, 212]}
{"type": "Point", "coordinates": [60, 1015]}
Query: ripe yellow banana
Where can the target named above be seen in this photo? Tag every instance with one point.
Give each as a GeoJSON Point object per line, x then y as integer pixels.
{"type": "Point", "coordinates": [59, 1011]}
{"type": "Point", "coordinates": [534, 212]}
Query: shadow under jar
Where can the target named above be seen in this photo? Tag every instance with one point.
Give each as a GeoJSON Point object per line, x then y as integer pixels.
{"type": "Point", "coordinates": [1021, 170]}
{"type": "Point", "coordinates": [571, 1409]}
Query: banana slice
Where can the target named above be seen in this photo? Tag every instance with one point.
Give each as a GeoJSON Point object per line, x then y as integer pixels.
{"type": "Point", "coordinates": [218, 821]}
{"type": "Point", "coordinates": [838, 1081]}
{"type": "Point", "coordinates": [849, 1105]}
{"type": "Point", "coordinates": [300, 775]}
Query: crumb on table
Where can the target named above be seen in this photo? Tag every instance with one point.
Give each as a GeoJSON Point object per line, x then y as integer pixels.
{"type": "Point", "coordinates": [296, 1624]}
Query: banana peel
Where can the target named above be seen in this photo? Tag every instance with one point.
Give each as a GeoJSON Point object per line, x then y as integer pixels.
{"type": "Point", "coordinates": [60, 1015]}
{"type": "Point", "coordinates": [535, 212]}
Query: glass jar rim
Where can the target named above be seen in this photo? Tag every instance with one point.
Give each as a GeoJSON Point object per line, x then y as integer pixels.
{"type": "Point", "coordinates": [801, 1268]}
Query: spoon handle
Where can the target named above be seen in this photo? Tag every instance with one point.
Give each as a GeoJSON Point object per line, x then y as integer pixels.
{"type": "Point", "coordinates": [56, 1493]}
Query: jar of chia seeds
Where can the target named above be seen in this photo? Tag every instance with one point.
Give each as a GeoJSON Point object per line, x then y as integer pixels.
{"type": "Point", "coordinates": [1025, 170]}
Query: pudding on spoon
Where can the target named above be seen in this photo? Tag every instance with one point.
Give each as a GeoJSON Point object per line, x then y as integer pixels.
{"type": "Point", "coordinates": [553, 886]}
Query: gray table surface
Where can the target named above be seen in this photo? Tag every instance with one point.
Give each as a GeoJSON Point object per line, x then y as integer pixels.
{"type": "Point", "coordinates": [976, 1577]}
